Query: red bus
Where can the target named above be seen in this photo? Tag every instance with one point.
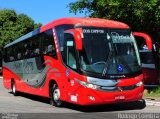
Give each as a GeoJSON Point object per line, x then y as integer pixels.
{"type": "Point", "coordinates": [85, 61]}
{"type": "Point", "coordinates": [149, 59]}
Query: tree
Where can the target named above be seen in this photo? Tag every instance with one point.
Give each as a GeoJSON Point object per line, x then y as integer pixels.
{"type": "Point", "coordinates": [13, 25]}
{"type": "Point", "coordinates": [140, 15]}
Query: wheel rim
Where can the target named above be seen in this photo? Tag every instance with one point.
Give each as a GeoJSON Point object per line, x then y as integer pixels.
{"type": "Point", "coordinates": [56, 95]}
{"type": "Point", "coordinates": [14, 88]}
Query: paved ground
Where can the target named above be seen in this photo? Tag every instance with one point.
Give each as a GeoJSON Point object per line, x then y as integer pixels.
{"type": "Point", "coordinates": [25, 103]}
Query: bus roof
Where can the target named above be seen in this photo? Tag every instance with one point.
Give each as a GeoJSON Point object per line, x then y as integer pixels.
{"type": "Point", "coordinates": [97, 22]}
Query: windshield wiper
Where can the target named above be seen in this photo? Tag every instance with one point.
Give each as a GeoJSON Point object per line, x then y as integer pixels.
{"type": "Point", "coordinates": [107, 63]}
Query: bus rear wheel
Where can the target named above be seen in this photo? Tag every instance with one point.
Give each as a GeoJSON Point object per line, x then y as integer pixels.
{"type": "Point", "coordinates": [55, 96]}
{"type": "Point", "coordinates": [14, 91]}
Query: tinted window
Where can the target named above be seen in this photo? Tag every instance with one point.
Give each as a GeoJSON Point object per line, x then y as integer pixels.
{"type": "Point", "coordinates": [60, 35]}
{"type": "Point", "coordinates": [31, 47]}
{"type": "Point", "coordinates": [41, 44]}
{"type": "Point", "coordinates": [19, 51]}
{"type": "Point", "coordinates": [11, 53]}
{"type": "Point", "coordinates": [48, 45]}
{"type": "Point", "coordinates": [147, 57]}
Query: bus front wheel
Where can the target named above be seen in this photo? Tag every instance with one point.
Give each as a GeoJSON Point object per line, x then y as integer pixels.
{"type": "Point", "coordinates": [14, 91]}
{"type": "Point", "coordinates": [55, 96]}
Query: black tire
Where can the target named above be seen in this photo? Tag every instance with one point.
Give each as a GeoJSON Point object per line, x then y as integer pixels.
{"type": "Point", "coordinates": [14, 91]}
{"type": "Point", "coordinates": [55, 96]}
{"type": "Point", "coordinates": [143, 103]}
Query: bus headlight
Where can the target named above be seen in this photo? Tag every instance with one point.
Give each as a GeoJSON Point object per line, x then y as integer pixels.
{"type": "Point", "coordinates": [87, 85]}
{"type": "Point", "coordinates": [139, 84]}
{"type": "Point", "coordinates": [92, 86]}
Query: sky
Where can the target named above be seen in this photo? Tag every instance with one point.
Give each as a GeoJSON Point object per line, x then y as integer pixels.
{"type": "Point", "coordinates": [41, 11]}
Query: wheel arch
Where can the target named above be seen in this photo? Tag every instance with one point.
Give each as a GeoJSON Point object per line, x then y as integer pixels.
{"type": "Point", "coordinates": [51, 83]}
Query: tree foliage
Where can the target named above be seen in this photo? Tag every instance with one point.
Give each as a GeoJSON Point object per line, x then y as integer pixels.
{"type": "Point", "coordinates": [140, 15]}
{"type": "Point", "coordinates": [13, 25]}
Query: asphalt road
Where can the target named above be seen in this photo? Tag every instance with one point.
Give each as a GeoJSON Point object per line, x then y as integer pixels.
{"type": "Point", "coordinates": [33, 106]}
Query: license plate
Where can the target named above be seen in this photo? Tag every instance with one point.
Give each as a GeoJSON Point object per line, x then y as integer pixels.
{"type": "Point", "coordinates": [120, 97]}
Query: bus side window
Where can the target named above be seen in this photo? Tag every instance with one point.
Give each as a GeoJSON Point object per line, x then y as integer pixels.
{"type": "Point", "coordinates": [11, 53]}
{"type": "Point", "coordinates": [5, 55]}
{"type": "Point", "coordinates": [36, 42]}
{"type": "Point", "coordinates": [32, 47]}
{"type": "Point", "coordinates": [48, 45]}
{"type": "Point", "coordinates": [19, 50]}
{"type": "Point", "coordinates": [6, 59]}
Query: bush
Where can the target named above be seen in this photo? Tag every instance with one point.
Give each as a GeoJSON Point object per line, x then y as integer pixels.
{"type": "Point", "coordinates": [154, 92]}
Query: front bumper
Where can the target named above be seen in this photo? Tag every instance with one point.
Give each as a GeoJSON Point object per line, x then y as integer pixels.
{"type": "Point", "coordinates": [86, 96]}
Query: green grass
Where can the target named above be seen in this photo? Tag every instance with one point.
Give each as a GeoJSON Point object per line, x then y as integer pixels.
{"type": "Point", "coordinates": [153, 92]}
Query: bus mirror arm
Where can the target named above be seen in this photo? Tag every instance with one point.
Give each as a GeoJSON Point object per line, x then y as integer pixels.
{"type": "Point", "coordinates": [146, 37]}
{"type": "Point", "coordinates": [78, 40]}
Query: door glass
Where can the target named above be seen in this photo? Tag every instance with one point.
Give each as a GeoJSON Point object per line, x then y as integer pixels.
{"type": "Point", "coordinates": [70, 52]}
{"type": "Point", "coordinates": [71, 57]}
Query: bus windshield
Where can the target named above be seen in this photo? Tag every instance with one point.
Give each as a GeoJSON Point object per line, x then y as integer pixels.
{"type": "Point", "coordinates": [109, 52]}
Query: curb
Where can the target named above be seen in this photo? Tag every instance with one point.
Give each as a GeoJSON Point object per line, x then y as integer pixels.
{"type": "Point", "coordinates": [152, 103]}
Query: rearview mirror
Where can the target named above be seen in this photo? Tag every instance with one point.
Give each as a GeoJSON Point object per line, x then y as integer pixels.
{"type": "Point", "coordinates": [146, 37]}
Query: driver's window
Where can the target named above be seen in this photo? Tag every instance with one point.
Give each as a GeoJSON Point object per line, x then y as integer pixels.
{"type": "Point", "coordinates": [70, 52]}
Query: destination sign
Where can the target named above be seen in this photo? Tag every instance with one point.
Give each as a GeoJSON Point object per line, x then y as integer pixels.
{"type": "Point", "coordinates": [94, 31]}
